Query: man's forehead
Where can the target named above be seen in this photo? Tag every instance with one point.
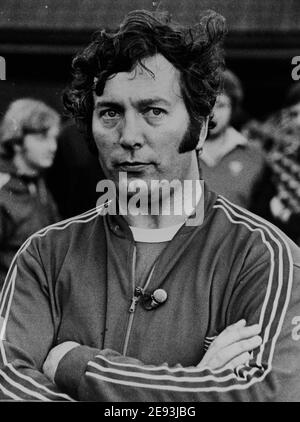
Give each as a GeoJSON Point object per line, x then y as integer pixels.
{"type": "Point", "coordinates": [157, 64]}
{"type": "Point", "coordinates": [155, 77]}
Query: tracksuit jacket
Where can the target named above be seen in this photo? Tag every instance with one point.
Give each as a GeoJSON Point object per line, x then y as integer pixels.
{"type": "Point", "coordinates": [74, 281]}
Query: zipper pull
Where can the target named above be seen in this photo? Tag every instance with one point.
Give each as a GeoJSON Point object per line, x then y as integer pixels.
{"type": "Point", "coordinates": [134, 301]}
{"type": "Point", "coordinates": [138, 291]}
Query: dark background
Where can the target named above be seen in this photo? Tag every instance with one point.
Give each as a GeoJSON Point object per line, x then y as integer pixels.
{"type": "Point", "coordinates": [38, 39]}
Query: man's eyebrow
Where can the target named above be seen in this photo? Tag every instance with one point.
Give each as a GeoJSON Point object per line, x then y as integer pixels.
{"type": "Point", "coordinates": [108, 104]}
{"type": "Point", "coordinates": [151, 101]}
{"type": "Point", "coordinates": [144, 102]}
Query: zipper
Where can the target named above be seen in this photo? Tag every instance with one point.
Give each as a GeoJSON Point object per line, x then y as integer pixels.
{"type": "Point", "coordinates": [136, 295]}
{"type": "Point", "coordinates": [133, 304]}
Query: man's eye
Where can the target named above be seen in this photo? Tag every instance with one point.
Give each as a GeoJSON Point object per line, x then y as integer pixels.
{"type": "Point", "coordinates": [109, 114]}
{"type": "Point", "coordinates": [154, 112]}
{"type": "Point", "coordinates": [157, 111]}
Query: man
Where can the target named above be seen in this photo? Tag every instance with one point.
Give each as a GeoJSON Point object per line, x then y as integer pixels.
{"type": "Point", "coordinates": [28, 143]}
{"type": "Point", "coordinates": [230, 165]}
{"type": "Point", "coordinates": [190, 306]}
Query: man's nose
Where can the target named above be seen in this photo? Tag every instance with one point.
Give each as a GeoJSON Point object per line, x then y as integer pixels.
{"type": "Point", "coordinates": [131, 133]}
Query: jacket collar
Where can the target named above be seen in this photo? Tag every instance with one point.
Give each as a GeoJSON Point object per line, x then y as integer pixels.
{"type": "Point", "coordinates": [119, 226]}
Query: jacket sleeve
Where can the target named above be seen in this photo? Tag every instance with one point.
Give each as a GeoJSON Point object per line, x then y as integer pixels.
{"type": "Point", "coordinates": [268, 292]}
{"type": "Point", "coordinates": [27, 330]}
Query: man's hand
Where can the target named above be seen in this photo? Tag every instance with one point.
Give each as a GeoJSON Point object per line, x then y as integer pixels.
{"type": "Point", "coordinates": [232, 347]}
{"type": "Point", "coordinates": [54, 357]}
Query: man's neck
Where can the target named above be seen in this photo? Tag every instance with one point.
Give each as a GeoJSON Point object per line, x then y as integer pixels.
{"type": "Point", "coordinates": [154, 221]}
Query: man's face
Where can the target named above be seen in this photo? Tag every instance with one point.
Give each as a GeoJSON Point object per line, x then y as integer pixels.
{"type": "Point", "coordinates": [38, 149]}
{"type": "Point", "coordinates": [139, 122]}
{"type": "Point", "coordinates": [222, 114]}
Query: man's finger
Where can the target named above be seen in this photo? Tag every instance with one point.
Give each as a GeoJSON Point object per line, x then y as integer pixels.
{"type": "Point", "coordinates": [239, 360]}
{"type": "Point", "coordinates": [234, 334]}
{"type": "Point", "coordinates": [240, 323]}
{"type": "Point", "coordinates": [224, 356]}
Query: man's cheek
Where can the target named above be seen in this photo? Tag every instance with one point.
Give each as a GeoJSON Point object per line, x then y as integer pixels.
{"type": "Point", "coordinates": [105, 159]}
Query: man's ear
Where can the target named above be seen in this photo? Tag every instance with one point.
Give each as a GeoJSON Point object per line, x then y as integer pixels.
{"type": "Point", "coordinates": [203, 134]}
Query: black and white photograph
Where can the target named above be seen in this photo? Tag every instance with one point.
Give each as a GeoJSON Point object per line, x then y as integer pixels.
{"type": "Point", "coordinates": [150, 203]}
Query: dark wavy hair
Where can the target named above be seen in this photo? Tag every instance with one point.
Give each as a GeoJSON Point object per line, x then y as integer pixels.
{"type": "Point", "coordinates": [196, 52]}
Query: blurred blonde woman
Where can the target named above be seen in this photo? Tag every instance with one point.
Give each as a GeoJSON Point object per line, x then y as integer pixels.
{"type": "Point", "coordinates": [28, 135]}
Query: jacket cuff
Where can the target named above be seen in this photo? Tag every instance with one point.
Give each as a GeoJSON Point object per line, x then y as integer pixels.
{"type": "Point", "coordinates": [72, 367]}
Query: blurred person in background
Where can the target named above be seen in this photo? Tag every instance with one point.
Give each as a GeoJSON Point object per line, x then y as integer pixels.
{"type": "Point", "coordinates": [230, 164]}
{"type": "Point", "coordinates": [292, 106]}
{"type": "Point", "coordinates": [28, 135]}
{"type": "Point", "coordinates": [75, 173]}
{"type": "Point", "coordinates": [279, 198]}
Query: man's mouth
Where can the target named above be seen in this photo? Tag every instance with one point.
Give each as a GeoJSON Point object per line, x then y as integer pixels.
{"type": "Point", "coordinates": [133, 166]}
